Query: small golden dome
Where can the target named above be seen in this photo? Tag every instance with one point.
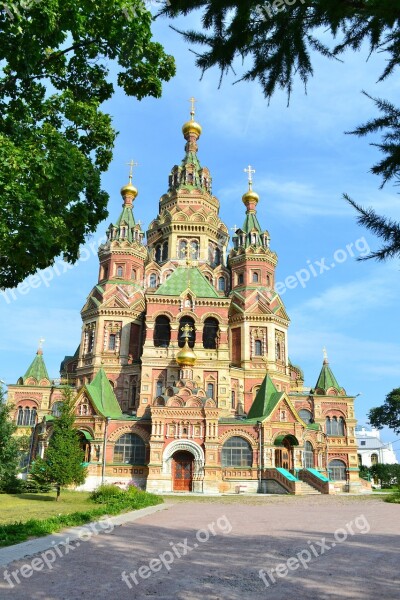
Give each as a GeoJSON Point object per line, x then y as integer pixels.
{"type": "Point", "coordinates": [250, 196]}
{"type": "Point", "coordinates": [129, 189]}
{"type": "Point", "coordinates": [186, 357]}
{"type": "Point", "coordinates": [192, 127]}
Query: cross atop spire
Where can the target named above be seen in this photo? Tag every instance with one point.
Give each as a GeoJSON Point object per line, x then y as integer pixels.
{"type": "Point", "coordinates": [325, 353]}
{"type": "Point", "coordinates": [40, 347]}
{"type": "Point", "coordinates": [186, 329]}
{"type": "Point", "coordinates": [131, 164]}
{"type": "Point", "coordinates": [192, 101]}
{"type": "Point", "coordinates": [250, 171]}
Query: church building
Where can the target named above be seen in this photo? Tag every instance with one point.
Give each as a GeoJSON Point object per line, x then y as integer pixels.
{"type": "Point", "coordinates": [182, 375]}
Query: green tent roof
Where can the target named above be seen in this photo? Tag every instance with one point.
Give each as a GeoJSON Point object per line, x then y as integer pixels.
{"type": "Point", "coordinates": [103, 397]}
{"type": "Point", "coordinates": [327, 379]}
{"type": "Point", "coordinates": [37, 368]}
{"type": "Point", "coordinates": [184, 278]}
{"type": "Point", "coordinates": [265, 401]}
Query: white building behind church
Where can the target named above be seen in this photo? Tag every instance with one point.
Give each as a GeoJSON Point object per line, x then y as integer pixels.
{"type": "Point", "coordinates": [371, 450]}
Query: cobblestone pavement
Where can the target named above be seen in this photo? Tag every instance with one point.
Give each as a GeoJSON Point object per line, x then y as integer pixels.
{"type": "Point", "coordinates": [309, 548]}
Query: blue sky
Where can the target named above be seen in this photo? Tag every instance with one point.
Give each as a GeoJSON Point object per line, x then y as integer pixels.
{"type": "Point", "coordinates": [304, 163]}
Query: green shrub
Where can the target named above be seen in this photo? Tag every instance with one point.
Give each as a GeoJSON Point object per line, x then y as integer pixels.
{"type": "Point", "coordinates": [395, 497]}
{"type": "Point", "coordinates": [106, 493]}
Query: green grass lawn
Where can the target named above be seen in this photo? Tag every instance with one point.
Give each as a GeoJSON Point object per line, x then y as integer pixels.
{"type": "Point", "coordinates": [22, 507]}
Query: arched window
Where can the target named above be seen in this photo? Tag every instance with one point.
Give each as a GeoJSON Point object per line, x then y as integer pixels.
{"type": "Point", "coordinates": [258, 348]}
{"type": "Point", "coordinates": [194, 250]}
{"type": "Point", "coordinates": [236, 452]}
{"type": "Point", "coordinates": [308, 456]}
{"type": "Point", "coordinates": [56, 409]}
{"type": "Point", "coordinates": [221, 284]}
{"type": "Point", "coordinates": [182, 249]}
{"type": "Point", "coordinates": [268, 281]}
{"type": "Point", "coordinates": [165, 251]}
{"type": "Point", "coordinates": [217, 257]}
{"type": "Point", "coordinates": [162, 332]}
{"type": "Point", "coordinates": [240, 279]}
{"type": "Point", "coordinates": [153, 280]}
{"type": "Point", "coordinates": [210, 333]}
{"type": "Point", "coordinates": [341, 429]}
{"type": "Point", "coordinates": [133, 274]}
{"type": "Point", "coordinates": [334, 426]}
{"type": "Point", "coordinates": [130, 449]}
{"type": "Point", "coordinates": [255, 278]}
{"type": "Point", "coordinates": [374, 459]}
{"type": "Point", "coordinates": [120, 271]}
{"type": "Point", "coordinates": [306, 415]}
{"type": "Point", "coordinates": [233, 399]}
{"type": "Point", "coordinates": [20, 416]}
{"type": "Point", "coordinates": [210, 390]}
{"type": "Point", "coordinates": [26, 417]}
{"type": "Point", "coordinates": [159, 387]}
{"type": "Point", "coordinates": [328, 428]}
{"type": "Point", "coordinates": [192, 334]}
{"type": "Point", "coordinates": [337, 470]}
{"type": "Point", "coordinates": [158, 254]}
{"type": "Point", "coordinates": [278, 351]}
{"type": "Point", "coordinates": [111, 341]}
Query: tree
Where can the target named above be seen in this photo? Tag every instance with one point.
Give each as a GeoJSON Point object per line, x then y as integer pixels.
{"type": "Point", "coordinates": [388, 414]}
{"type": "Point", "coordinates": [9, 449]}
{"type": "Point", "coordinates": [55, 73]}
{"type": "Point", "coordinates": [278, 38]}
{"type": "Point", "coordinates": [62, 462]}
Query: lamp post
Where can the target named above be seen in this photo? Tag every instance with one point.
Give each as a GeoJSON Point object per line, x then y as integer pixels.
{"type": "Point", "coordinates": [259, 423]}
{"type": "Point", "coordinates": [103, 466]}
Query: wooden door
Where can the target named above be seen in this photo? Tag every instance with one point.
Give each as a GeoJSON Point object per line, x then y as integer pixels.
{"type": "Point", "coordinates": [182, 472]}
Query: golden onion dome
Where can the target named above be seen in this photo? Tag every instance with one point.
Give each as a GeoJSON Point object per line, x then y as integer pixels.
{"type": "Point", "coordinates": [250, 196]}
{"type": "Point", "coordinates": [129, 189]}
{"type": "Point", "coordinates": [186, 357]}
{"type": "Point", "coordinates": [192, 127]}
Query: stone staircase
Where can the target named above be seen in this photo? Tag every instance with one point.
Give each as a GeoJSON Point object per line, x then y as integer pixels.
{"type": "Point", "coordinates": [307, 489]}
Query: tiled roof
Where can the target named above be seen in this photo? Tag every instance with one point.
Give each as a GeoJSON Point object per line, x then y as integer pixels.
{"type": "Point", "coordinates": [265, 401]}
{"type": "Point", "coordinates": [37, 369]}
{"type": "Point", "coordinates": [103, 397]}
{"type": "Point", "coordinates": [184, 278]}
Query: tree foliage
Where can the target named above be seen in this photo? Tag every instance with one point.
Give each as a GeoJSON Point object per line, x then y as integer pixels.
{"type": "Point", "coordinates": [58, 61]}
{"type": "Point", "coordinates": [62, 462]}
{"type": "Point", "coordinates": [9, 449]}
{"type": "Point", "coordinates": [385, 474]}
{"type": "Point", "coordinates": [278, 41]}
{"type": "Point", "coordinates": [387, 415]}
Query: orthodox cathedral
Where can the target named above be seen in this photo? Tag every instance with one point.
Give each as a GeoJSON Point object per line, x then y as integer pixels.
{"type": "Point", "coordinates": [182, 376]}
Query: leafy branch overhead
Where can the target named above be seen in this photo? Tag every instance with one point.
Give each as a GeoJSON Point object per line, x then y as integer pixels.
{"type": "Point", "coordinates": [57, 68]}
{"type": "Point", "coordinates": [277, 41]}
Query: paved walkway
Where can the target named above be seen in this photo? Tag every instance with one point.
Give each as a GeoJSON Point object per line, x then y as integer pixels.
{"type": "Point", "coordinates": [306, 548]}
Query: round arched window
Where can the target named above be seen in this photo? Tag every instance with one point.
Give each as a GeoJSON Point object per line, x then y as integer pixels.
{"type": "Point", "coordinates": [130, 449]}
{"type": "Point", "coordinates": [237, 452]}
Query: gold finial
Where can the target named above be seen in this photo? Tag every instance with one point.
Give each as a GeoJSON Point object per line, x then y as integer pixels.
{"type": "Point", "coordinates": [325, 354]}
{"type": "Point", "coordinates": [250, 173]}
{"type": "Point", "coordinates": [192, 101]}
{"type": "Point", "coordinates": [186, 331]}
{"type": "Point", "coordinates": [131, 165]}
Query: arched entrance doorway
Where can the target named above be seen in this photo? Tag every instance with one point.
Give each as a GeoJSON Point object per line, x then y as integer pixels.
{"type": "Point", "coordinates": [182, 471]}
{"type": "Point", "coordinates": [284, 455]}
{"type": "Point", "coordinates": [84, 441]}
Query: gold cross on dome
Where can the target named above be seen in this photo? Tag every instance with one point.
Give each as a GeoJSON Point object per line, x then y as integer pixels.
{"type": "Point", "coordinates": [250, 173]}
{"type": "Point", "coordinates": [192, 101]}
{"type": "Point", "coordinates": [325, 353]}
{"type": "Point", "coordinates": [186, 331]}
{"type": "Point", "coordinates": [41, 343]}
{"type": "Point", "coordinates": [131, 164]}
